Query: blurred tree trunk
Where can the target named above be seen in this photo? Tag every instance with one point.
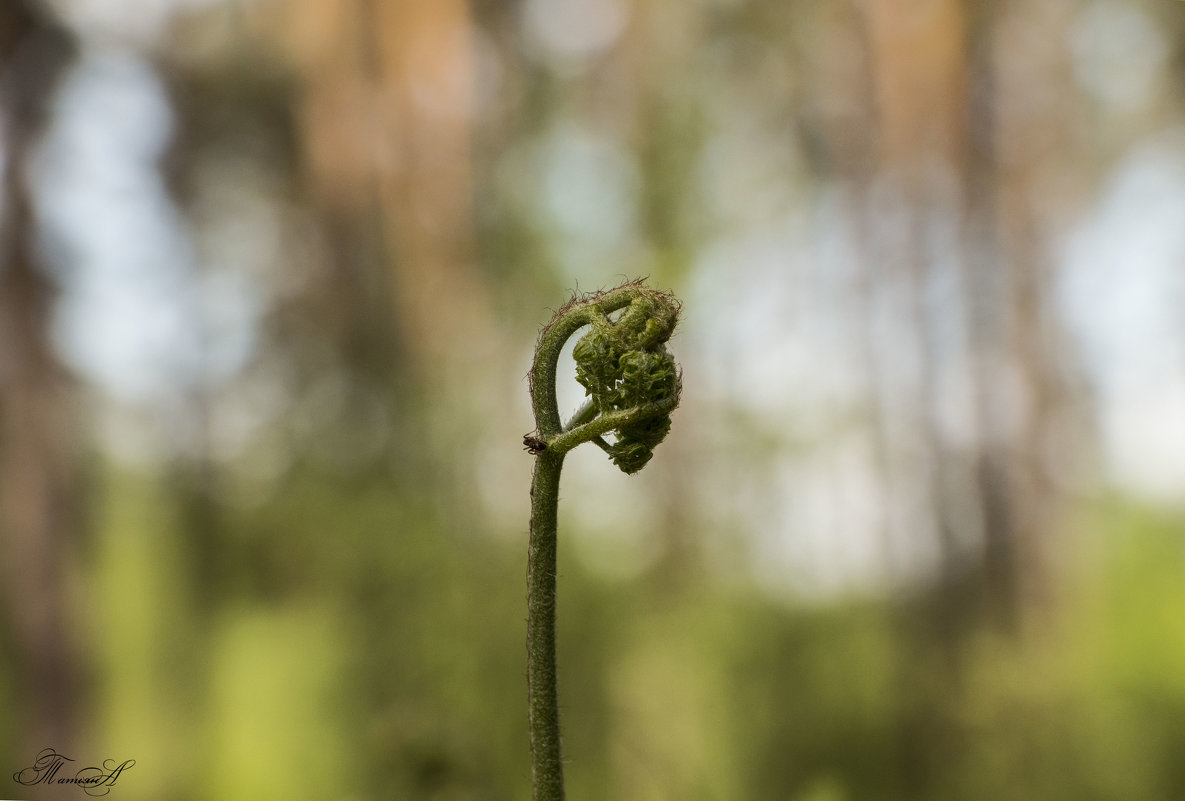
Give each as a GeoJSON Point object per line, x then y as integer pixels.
{"type": "Point", "coordinates": [38, 486]}
{"type": "Point", "coordinates": [989, 309]}
{"type": "Point", "coordinates": [914, 60]}
{"type": "Point", "coordinates": [384, 123]}
{"type": "Point", "coordinates": [385, 117]}
{"type": "Point", "coordinates": [918, 68]}
{"type": "Point", "coordinates": [939, 107]}
{"type": "Point", "coordinates": [1010, 146]}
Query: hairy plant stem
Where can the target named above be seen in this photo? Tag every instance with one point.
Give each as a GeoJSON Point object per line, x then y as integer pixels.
{"type": "Point", "coordinates": [646, 324]}
{"type": "Point", "coordinates": [543, 711]}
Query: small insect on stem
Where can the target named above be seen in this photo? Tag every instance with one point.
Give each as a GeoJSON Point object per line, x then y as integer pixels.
{"type": "Point", "coordinates": [533, 445]}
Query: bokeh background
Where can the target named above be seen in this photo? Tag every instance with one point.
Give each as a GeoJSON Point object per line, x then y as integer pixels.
{"type": "Point", "coordinates": [271, 272]}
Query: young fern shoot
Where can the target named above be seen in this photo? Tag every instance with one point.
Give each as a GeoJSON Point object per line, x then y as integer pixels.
{"type": "Point", "coordinates": [633, 385]}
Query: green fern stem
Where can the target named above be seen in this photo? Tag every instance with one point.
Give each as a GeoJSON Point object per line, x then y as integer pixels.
{"type": "Point", "coordinates": [633, 386]}
{"type": "Point", "coordinates": [543, 712]}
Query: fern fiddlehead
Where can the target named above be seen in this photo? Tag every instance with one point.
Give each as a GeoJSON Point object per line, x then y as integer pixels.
{"type": "Point", "coordinates": [633, 385]}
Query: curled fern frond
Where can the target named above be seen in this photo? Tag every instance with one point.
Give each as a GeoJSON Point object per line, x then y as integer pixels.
{"type": "Point", "coordinates": [633, 385]}
{"type": "Point", "coordinates": [626, 365]}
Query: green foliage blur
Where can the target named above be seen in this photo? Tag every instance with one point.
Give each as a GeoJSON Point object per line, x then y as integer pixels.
{"type": "Point", "coordinates": [362, 648]}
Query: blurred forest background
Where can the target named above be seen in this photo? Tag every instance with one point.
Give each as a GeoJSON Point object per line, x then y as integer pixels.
{"type": "Point", "coordinates": [270, 276]}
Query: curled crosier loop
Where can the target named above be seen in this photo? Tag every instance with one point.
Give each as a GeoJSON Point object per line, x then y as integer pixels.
{"type": "Point", "coordinates": [623, 364]}
{"type": "Point", "coordinates": [633, 385]}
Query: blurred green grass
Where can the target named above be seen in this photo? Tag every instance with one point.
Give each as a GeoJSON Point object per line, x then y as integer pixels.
{"type": "Point", "coordinates": [385, 660]}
